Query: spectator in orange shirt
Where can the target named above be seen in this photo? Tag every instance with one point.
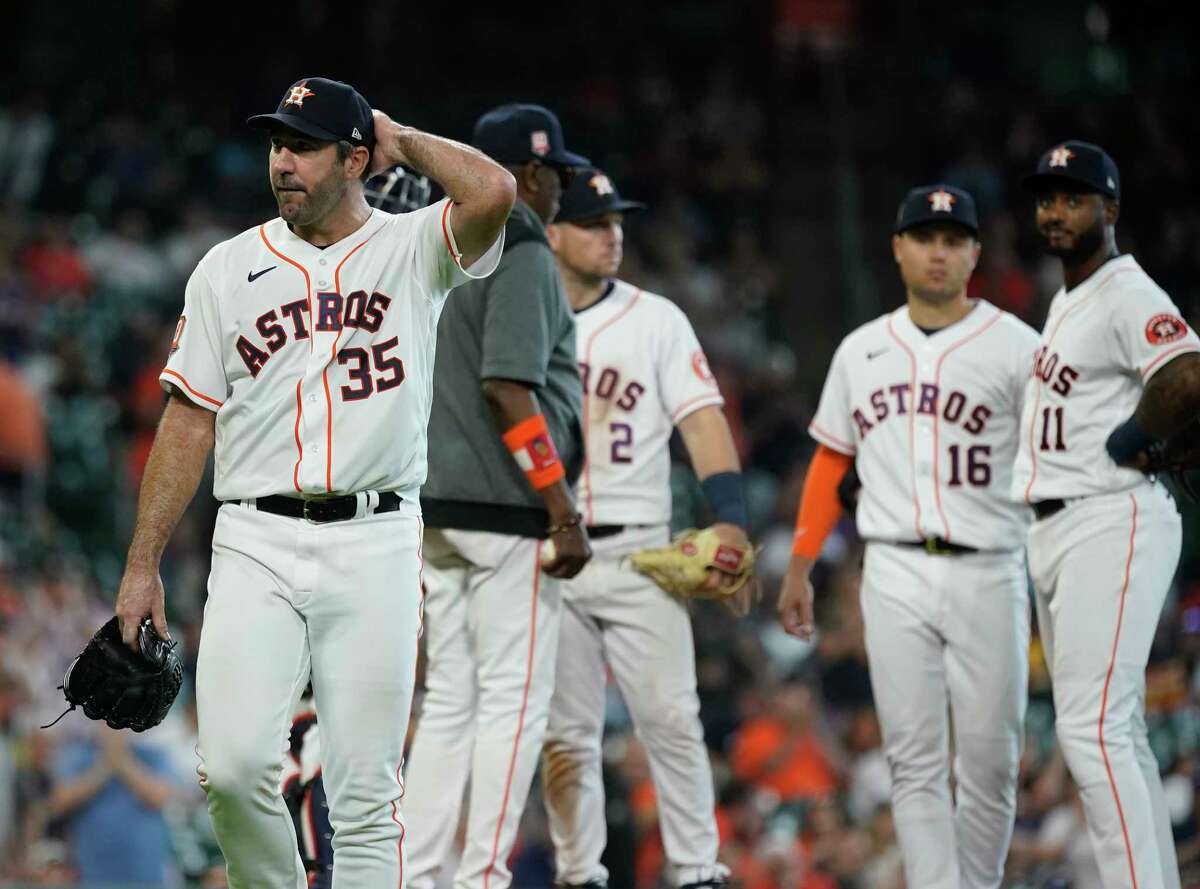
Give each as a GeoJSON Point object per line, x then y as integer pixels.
{"type": "Point", "coordinates": [781, 750]}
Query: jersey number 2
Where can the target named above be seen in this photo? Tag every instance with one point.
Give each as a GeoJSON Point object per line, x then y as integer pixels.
{"type": "Point", "coordinates": [390, 368]}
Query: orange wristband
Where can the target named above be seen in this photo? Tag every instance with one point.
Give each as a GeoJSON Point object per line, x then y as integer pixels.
{"type": "Point", "coordinates": [819, 506]}
{"type": "Point", "coordinates": [530, 444]}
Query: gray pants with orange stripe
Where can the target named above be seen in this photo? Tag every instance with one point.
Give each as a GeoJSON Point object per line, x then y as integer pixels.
{"type": "Point", "coordinates": [491, 639]}
{"type": "Point", "coordinates": [1101, 569]}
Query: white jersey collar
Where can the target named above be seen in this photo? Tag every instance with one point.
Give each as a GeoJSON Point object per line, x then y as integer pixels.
{"type": "Point", "coordinates": [293, 244]}
{"type": "Point", "coordinates": [1100, 277]}
{"type": "Point", "coordinates": [902, 326]}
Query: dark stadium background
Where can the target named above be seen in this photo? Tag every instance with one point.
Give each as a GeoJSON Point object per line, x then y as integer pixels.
{"type": "Point", "coordinates": [772, 142]}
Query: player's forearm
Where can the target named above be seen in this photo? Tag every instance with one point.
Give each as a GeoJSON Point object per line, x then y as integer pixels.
{"type": "Point", "coordinates": [1171, 398]}
{"type": "Point", "coordinates": [181, 446]}
{"type": "Point", "coordinates": [709, 442]}
{"type": "Point", "coordinates": [512, 404]}
{"type": "Point", "coordinates": [151, 791]}
{"type": "Point", "coordinates": [483, 191]}
{"type": "Point", "coordinates": [66, 798]}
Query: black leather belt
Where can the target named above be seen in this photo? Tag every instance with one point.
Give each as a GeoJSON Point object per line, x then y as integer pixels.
{"type": "Point", "coordinates": [937, 546]}
{"type": "Point", "coordinates": [330, 509]}
{"type": "Point", "coordinates": [599, 532]}
{"type": "Point", "coordinates": [1043, 509]}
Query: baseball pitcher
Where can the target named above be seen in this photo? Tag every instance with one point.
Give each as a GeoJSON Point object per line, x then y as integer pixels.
{"type": "Point", "coordinates": [304, 356]}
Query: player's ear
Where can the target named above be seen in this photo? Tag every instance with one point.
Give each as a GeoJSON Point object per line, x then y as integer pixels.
{"type": "Point", "coordinates": [1112, 210]}
{"type": "Point", "coordinates": [976, 249]}
{"type": "Point", "coordinates": [896, 242]}
{"type": "Point", "coordinates": [357, 162]}
{"type": "Point", "coordinates": [554, 236]}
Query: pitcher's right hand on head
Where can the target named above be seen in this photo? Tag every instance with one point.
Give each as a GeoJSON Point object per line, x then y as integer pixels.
{"type": "Point", "coordinates": [796, 601]}
{"type": "Point", "coordinates": [141, 595]}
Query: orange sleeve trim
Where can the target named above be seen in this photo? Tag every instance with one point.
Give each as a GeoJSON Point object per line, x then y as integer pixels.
{"type": "Point", "coordinates": [819, 505]}
{"type": "Point", "coordinates": [830, 441]}
{"type": "Point", "coordinates": [189, 388]}
{"type": "Point", "coordinates": [450, 245]}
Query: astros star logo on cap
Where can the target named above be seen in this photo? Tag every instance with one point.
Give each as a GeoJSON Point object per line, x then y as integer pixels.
{"type": "Point", "coordinates": [941, 201]}
{"type": "Point", "coordinates": [297, 94]}
{"type": "Point", "coordinates": [1060, 156]}
{"type": "Point", "coordinates": [601, 184]}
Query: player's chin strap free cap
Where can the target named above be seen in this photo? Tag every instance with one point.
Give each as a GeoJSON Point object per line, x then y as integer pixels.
{"type": "Point", "coordinates": [520, 133]}
{"type": "Point", "coordinates": [1075, 163]}
{"type": "Point", "coordinates": [324, 109]}
{"type": "Point", "coordinates": [591, 195]}
{"type": "Point", "coordinates": [927, 204]}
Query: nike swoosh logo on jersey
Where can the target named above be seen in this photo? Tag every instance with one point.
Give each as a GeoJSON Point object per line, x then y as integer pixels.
{"type": "Point", "coordinates": [871, 356]}
{"type": "Point", "coordinates": [251, 277]}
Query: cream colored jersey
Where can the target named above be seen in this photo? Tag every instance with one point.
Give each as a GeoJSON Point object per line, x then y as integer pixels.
{"type": "Point", "coordinates": [643, 371]}
{"type": "Point", "coordinates": [1101, 344]}
{"type": "Point", "coordinates": [932, 422]}
{"type": "Point", "coordinates": [319, 362]}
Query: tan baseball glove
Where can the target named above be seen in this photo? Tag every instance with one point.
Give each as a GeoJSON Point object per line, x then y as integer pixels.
{"type": "Point", "coordinates": [698, 565]}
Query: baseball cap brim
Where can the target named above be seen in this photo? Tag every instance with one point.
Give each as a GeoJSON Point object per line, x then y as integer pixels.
{"type": "Point", "coordinates": [1039, 182]}
{"type": "Point", "coordinates": [291, 122]}
{"type": "Point", "coordinates": [564, 158]}
{"type": "Point", "coordinates": [939, 219]}
{"type": "Point", "coordinates": [593, 212]}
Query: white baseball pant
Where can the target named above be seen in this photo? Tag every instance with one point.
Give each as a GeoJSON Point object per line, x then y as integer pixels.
{"type": "Point", "coordinates": [289, 599]}
{"type": "Point", "coordinates": [949, 630]}
{"type": "Point", "coordinates": [613, 615]}
{"type": "Point", "coordinates": [491, 637]}
{"type": "Point", "coordinates": [1101, 568]}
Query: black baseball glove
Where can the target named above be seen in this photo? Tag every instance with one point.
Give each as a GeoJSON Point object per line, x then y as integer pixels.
{"type": "Point", "coordinates": [126, 689]}
{"type": "Point", "coordinates": [1176, 458]}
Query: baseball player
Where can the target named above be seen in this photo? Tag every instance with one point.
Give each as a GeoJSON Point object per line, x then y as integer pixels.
{"type": "Point", "coordinates": [644, 374]}
{"type": "Point", "coordinates": [501, 524]}
{"type": "Point", "coordinates": [926, 401]}
{"type": "Point", "coordinates": [1115, 352]}
{"type": "Point", "coordinates": [305, 354]}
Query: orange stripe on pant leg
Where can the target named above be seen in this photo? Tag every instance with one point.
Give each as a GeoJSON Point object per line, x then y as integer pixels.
{"type": "Point", "coordinates": [512, 762]}
{"type": "Point", "coordinates": [1104, 699]}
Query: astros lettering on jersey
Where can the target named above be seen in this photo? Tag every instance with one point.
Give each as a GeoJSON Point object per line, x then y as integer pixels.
{"type": "Point", "coordinates": [1103, 341]}
{"type": "Point", "coordinates": [293, 345]}
{"type": "Point", "coordinates": [931, 420]}
{"type": "Point", "coordinates": [654, 374]}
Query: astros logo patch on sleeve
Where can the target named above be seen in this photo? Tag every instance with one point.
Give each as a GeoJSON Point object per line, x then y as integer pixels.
{"type": "Point", "coordinates": [1165, 329]}
{"type": "Point", "coordinates": [178, 334]}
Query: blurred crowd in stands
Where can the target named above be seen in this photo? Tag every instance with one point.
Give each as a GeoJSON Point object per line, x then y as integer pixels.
{"type": "Point", "coordinates": [103, 215]}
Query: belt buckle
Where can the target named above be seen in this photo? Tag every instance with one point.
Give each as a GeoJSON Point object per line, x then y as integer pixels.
{"type": "Point", "coordinates": [932, 547]}
{"type": "Point", "coordinates": [304, 511]}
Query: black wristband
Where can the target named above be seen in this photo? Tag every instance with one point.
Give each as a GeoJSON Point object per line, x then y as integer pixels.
{"type": "Point", "coordinates": [723, 490]}
{"type": "Point", "coordinates": [1127, 441]}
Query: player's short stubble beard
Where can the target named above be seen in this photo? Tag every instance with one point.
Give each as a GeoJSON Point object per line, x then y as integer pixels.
{"type": "Point", "coordinates": [319, 199]}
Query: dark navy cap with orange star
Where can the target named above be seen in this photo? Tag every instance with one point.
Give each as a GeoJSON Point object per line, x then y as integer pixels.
{"type": "Point", "coordinates": [324, 109]}
{"type": "Point", "coordinates": [1077, 163]}
{"type": "Point", "coordinates": [937, 203]}
{"type": "Point", "coordinates": [590, 195]}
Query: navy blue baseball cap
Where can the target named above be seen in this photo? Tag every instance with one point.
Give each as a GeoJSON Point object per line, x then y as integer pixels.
{"type": "Point", "coordinates": [325, 109]}
{"type": "Point", "coordinates": [937, 203]}
{"type": "Point", "coordinates": [592, 194]}
{"type": "Point", "coordinates": [1077, 163]}
{"type": "Point", "coordinates": [518, 134]}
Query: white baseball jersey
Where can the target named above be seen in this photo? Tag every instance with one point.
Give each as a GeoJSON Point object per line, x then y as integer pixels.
{"type": "Point", "coordinates": [932, 420]}
{"type": "Point", "coordinates": [1102, 343]}
{"type": "Point", "coordinates": [643, 371]}
{"type": "Point", "coordinates": [319, 362]}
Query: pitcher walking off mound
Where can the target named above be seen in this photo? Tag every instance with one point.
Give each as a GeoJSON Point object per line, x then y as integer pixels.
{"type": "Point", "coordinates": [927, 400]}
{"type": "Point", "coordinates": [305, 352]}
